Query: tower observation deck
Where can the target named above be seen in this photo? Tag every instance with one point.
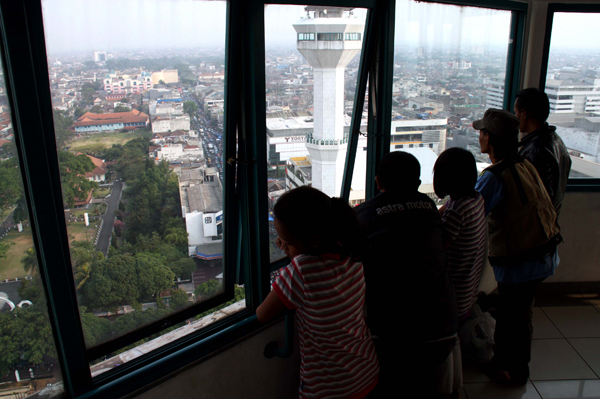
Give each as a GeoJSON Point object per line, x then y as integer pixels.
{"type": "Point", "coordinates": [329, 38]}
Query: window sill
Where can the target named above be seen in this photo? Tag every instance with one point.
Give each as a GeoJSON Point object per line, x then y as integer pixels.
{"type": "Point", "coordinates": [172, 336]}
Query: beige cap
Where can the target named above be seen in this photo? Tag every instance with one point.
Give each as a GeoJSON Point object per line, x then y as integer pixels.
{"type": "Point", "coordinates": [498, 122]}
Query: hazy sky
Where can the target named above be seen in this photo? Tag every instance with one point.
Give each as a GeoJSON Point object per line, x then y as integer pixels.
{"type": "Point", "coordinates": [112, 25]}
{"type": "Point", "coordinates": [575, 31]}
{"type": "Point", "coordinates": [87, 25]}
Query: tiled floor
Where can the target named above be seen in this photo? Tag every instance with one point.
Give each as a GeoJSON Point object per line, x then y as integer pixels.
{"type": "Point", "coordinates": [565, 350]}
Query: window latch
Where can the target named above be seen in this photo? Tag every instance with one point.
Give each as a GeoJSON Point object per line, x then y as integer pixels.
{"type": "Point", "coordinates": [236, 161]}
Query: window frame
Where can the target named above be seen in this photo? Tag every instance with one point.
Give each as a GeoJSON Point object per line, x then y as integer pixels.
{"type": "Point", "coordinates": [573, 184]}
{"type": "Point", "coordinates": [22, 44]}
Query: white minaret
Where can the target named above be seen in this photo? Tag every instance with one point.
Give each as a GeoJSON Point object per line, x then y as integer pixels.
{"type": "Point", "coordinates": [328, 38]}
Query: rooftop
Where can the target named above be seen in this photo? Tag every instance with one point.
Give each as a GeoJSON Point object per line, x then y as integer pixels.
{"type": "Point", "coordinates": [206, 197]}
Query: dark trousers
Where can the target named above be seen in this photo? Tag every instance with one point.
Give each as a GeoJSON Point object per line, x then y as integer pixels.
{"type": "Point", "coordinates": [514, 330]}
{"type": "Point", "coordinates": [408, 365]}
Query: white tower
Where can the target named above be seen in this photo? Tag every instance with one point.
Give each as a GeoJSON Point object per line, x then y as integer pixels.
{"type": "Point", "coordinates": [328, 38]}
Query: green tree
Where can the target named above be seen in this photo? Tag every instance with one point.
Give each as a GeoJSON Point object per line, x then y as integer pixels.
{"type": "Point", "coordinates": [4, 249]}
{"type": "Point", "coordinates": [153, 276]}
{"type": "Point", "coordinates": [78, 112]}
{"type": "Point", "coordinates": [19, 214]}
{"type": "Point", "coordinates": [113, 283]}
{"type": "Point", "coordinates": [61, 120]}
{"type": "Point", "coordinates": [177, 236]}
{"type": "Point", "coordinates": [121, 108]}
{"type": "Point", "coordinates": [63, 137]}
{"type": "Point", "coordinates": [183, 268]}
{"type": "Point", "coordinates": [30, 262]}
{"type": "Point", "coordinates": [179, 300]}
{"type": "Point", "coordinates": [208, 289]}
{"type": "Point", "coordinates": [190, 107]}
{"type": "Point", "coordinates": [83, 256]}
{"type": "Point", "coordinates": [8, 150]}
{"type": "Point", "coordinates": [10, 186]}
{"type": "Point", "coordinates": [133, 320]}
{"type": "Point", "coordinates": [239, 294]}
{"type": "Point", "coordinates": [72, 172]}
{"type": "Point", "coordinates": [25, 334]}
{"type": "Point", "coordinates": [95, 329]}
{"type": "Point", "coordinates": [96, 109]}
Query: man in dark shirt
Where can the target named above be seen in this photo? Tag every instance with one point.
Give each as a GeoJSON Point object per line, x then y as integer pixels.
{"type": "Point", "coordinates": [541, 145]}
{"type": "Point", "coordinates": [411, 305]}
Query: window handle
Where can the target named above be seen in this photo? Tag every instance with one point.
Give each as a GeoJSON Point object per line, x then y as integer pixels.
{"type": "Point", "coordinates": [272, 349]}
{"type": "Point", "coordinates": [237, 161]}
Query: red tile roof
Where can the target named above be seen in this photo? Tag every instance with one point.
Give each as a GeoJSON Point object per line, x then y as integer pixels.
{"type": "Point", "coordinates": [79, 202]}
{"type": "Point", "coordinates": [100, 167]}
{"type": "Point", "coordinates": [90, 119]}
{"type": "Point", "coordinates": [2, 142]}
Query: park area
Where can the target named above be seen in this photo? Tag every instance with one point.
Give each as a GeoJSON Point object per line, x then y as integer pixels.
{"type": "Point", "coordinates": [93, 210]}
{"type": "Point", "coordinates": [11, 266]}
{"type": "Point", "coordinates": [96, 143]}
{"type": "Point", "coordinates": [100, 193]}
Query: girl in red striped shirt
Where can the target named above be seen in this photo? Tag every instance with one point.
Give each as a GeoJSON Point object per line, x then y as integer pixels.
{"type": "Point", "coordinates": [325, 283]}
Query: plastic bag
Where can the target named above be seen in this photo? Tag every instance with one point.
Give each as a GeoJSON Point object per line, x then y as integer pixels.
{"type": "Point", "coordinates": [477, 336]}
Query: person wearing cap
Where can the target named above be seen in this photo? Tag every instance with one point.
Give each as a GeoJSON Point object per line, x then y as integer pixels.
{"type": "Point", "coordinates": [523, 237]}
{"type": "Point", "coordinates": [541, 145]}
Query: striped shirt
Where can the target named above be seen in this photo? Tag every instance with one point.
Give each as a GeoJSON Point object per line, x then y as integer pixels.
{"type": "Point", "coordinates": [465, 225]}
{"type": "Point", "coordinates": [338, 355]}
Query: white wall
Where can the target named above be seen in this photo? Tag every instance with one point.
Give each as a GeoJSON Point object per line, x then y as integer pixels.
{"type": "Point", "coordinates": [238, 371]}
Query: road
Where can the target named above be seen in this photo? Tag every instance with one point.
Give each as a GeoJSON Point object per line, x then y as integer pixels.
{"type": "Point", "coordinates": [109, 216]}
{"type": "Point", "coordinates": [12, 290]}
{"type": "Point", "coordinates": [211, 133]}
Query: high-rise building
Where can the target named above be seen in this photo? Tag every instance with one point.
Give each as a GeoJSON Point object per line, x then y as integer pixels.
{"type": "Point", "coordinates": [494, 96]}
{"type": "Point", "coordinates": [100, 56]}
{"type": "Point", "coordinates": [329, 39]}
{"type": "Point", "coordinates": [570, 95]}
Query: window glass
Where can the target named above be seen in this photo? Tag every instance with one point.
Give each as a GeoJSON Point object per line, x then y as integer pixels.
{"type": "Point", "coordinates": [573, 88]}
{"type": "Point", "coordinates": [310, 88]}
{"type": "Point", "coordinates": [138, 112]}
{"type": "Point", "coordinates": [28, 357]}
{"type": "Point", "coordinates": [449, 67]}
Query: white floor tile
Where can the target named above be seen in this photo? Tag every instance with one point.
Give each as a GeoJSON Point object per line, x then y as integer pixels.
{"type": "Point", "coordinates": [575, 321]}
{"type": "Point", "coordinates": [555, 359]}
{"type": "Point", "coordinates": [496, 391]}
{"type": "Point", "coordinates": [588, 389]}
{"type": "Point", "coordinates": [543, 327]}
{"type": "Point", "coordinates": [589, 350]}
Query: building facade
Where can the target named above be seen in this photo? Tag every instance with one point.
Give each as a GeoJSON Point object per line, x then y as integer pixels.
{"type": "Point", "coordinates": [124, 83]}
{"type": "Point", "coordinates": [91, 123]}
{"type": "Point", "coordinates": [166, 124]}
{"type": "Point", "coordinates": [570, 96]}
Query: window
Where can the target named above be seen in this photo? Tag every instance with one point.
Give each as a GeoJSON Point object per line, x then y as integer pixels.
{"type": "Point", "coordinates": [329, 37]}
{"type": "Point", "coordinates": [25, 330]}
{"type": "Point", "coordinates": [573, 60]}
{"type": "Point", "coordinates": [152, 245]}
{"type": "Point", "coordinates": [304, 117]}
{"type": "Point", "coordinates": [449, 67]}
{"type": "Point", "coordinates": [352, 36]}
{"type": "Point", "coordinates": [306, 36]}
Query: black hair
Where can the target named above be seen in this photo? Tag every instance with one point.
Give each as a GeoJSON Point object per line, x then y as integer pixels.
{"type": "Point", "coordinates": [535, 102]}
{"type": "Point", "coordinates": [308, 214]}
{"type": "Point", "coordinates": [455, 173]}
{"type": "Point", "coordinates": [399, 170]}
{"type": "Point", "coordinates": [503, 147]}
